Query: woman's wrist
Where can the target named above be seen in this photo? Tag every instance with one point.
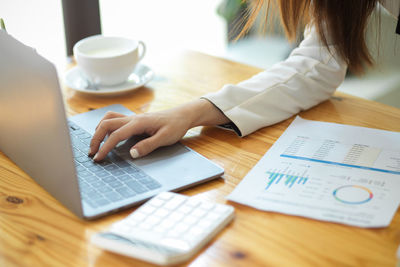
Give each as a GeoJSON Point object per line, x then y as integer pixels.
{"type": "Point", "coordinates": [202, 112]}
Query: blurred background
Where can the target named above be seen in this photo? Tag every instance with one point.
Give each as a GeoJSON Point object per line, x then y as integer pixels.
{"type": "Point", "coordinates": [207, 26]}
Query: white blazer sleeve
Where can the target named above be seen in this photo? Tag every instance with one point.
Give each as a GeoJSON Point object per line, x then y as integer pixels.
{"type": "Point", "coordinates": [307, 77]}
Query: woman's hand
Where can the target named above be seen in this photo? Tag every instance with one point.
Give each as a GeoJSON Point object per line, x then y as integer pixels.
{"type": "Point", "coordinates": [164, 128]}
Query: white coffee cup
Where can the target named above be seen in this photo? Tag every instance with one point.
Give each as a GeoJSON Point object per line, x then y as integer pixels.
{"type": "Point", "coordinates": [107, 60]}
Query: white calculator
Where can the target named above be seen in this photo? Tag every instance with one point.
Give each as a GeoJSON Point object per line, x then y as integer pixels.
{"type": "Point", "coordinates": [168, 229]}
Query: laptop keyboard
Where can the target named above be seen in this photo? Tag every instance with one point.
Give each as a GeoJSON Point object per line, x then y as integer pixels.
{"type": "Point", "coordinates": [110, 180]}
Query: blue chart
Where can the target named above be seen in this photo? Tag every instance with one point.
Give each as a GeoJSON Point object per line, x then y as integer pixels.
{"type": "Point", "coordinates": [288, 180]}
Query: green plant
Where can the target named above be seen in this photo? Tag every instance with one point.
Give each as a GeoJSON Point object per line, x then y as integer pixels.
{"type": "Point", "coordinates": [2, 25]}
{"type": "Point", "coordinates": [229, 9]}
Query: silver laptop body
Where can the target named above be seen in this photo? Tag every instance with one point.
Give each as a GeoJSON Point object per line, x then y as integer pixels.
{"type": "Point", "coordinates": [35, 134]}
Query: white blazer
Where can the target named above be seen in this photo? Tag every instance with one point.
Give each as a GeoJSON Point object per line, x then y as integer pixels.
{"type": "Point", "coordinates": [309, 76]}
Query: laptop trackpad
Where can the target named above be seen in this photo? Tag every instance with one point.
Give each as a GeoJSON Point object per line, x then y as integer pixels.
{"type": "Point", "coordinates": [172, 165]}
{"type": "Point", "coordinates": [154, 157]}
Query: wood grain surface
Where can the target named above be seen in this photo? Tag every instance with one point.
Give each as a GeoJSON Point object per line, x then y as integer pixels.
{"type": "Point", "coordinates": [36, 230]}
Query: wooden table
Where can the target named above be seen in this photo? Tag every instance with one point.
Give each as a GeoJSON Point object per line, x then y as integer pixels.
{"type": "Point", "coordinates": [35, 230]}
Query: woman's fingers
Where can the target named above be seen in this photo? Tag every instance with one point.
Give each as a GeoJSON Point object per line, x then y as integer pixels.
{"type": "Point", "coordinates": [149, 144]}
{"type": "Point", "coordinates": [110, 115]}
{"type": "Point", "coordinates": [125, 131]}
{"type": "Point", "coordinates": [164, 128]}
{"type": "Point", "coordinates": [105, 127]}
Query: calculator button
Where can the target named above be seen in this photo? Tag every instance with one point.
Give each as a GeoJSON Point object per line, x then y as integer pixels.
{"type": "Point", "coordinates": [176, 216]}
{"type": "Point", "coordinates": [152, 220]}
{"type": "Point", "coordinates": [173, 203]}
{"type": "Point", "coordinates": [137, 216]}
{"type": "Point", "coordinates": [159, 230]}
{"type": "Point", "coordinates": [156, 202]}
{"type": "Point", "coordinates": [161, 213]}
{"type": "Point", "coordinates": [222, 209]}
{"type": "Point", "coordinates": [167, 224]}
{"type": "Point", "coordinates": [132, 223]}
{"type": "Point", "coordinates": [176, 243]}
{"type": "Point", "coordinates": [207, 206]}
{"type": "Point", "coordinates": [199, 213]}
{"type": "Point", "coordinates": [180, 228]}
{"type": "Point", "coordinates": [190, 220]}
{"type": "Point", "coordinates": [145, 226]}
{"type": "Point", "coordinates": [165, 196]}
{"type": "Point", "coordinates": [147, 209]}
{"type": "Point", "coordinates": [185, 209]}
{"type": "Point", "coordinates": [196, 231]}
{"type": "Point", "coordinates": [205, 223]}
{"type": "Point", "coordinates": [193, 202]}
{"type": "Point", "coordinates": [212, 216]}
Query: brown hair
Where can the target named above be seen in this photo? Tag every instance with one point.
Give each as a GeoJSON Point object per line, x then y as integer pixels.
{"type": "Point", "coordinates": [345, 22]}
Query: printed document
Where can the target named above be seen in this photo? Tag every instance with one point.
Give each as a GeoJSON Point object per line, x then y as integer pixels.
{"type": "Point", "coordinates": [329, 172]}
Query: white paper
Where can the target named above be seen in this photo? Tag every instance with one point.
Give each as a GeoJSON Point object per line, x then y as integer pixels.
{"type": "Point", "coordinates": [327, 171]}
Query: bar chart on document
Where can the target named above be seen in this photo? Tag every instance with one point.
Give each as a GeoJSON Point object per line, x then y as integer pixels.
{"type": "Point", "coordinates": [296, 181]}
{"type": "Point", "coordinates": [339, 185]}
{"type": "Point", "coordinates": [329, 178]}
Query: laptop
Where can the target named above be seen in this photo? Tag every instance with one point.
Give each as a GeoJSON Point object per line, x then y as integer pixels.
{"type": "Point", "coordinates": [52, 149]}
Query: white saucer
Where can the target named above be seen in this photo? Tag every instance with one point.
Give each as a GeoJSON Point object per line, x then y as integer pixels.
{"type": "Point", "coordinates": [74, 79]}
